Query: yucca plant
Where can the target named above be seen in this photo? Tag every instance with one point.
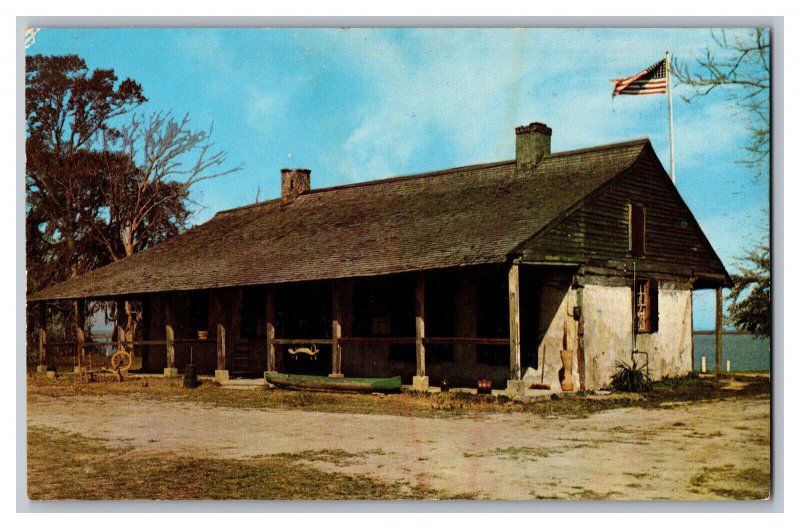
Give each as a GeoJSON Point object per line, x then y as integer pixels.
{"type": "Point", "coordinates": [631, 378]}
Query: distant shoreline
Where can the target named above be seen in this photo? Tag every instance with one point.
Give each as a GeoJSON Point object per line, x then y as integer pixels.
{"type": "Point", "coordinates": [697, 331]}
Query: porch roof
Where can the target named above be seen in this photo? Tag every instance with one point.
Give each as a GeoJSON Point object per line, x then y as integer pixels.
{"type": "Point", "coordinates": [458, 217]}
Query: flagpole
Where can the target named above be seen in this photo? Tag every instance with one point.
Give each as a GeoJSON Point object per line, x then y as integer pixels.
{"type": "Point", "coordinates": [669, 104]}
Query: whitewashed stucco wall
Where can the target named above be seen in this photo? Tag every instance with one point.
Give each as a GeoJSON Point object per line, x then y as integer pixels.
{"type": "Point", "coordinates": [607, 333]}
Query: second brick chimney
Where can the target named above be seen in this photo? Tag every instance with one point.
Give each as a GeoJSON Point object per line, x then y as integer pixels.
{"type": "Point", "coordinates": [533, 144]}
{"type": "Point", "coordinates": [294, 182]}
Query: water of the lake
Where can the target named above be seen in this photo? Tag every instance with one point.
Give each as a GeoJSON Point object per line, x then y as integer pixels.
{"type": "Point", "coordinates": [746, 352]}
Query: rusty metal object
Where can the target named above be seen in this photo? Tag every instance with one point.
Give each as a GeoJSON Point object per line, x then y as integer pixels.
{"type": "Point", "coordinates": [121, 361]}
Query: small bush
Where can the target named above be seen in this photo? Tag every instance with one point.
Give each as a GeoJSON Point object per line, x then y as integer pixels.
{"type": "Point", "coordinates": [631, 378]}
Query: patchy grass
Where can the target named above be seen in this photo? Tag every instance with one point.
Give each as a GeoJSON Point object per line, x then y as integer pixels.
{"type": "Point", "coordinates": [730, 483]}
{"type": "Point", "coordinates": [578, 493]}
{"type": "Point", "coordinates": [339, 458]}
{"type": "Point", "coordinates": [65, 466]}
{"type": "Point", "coordinates": [515, 453]}
{"type": "Point", "coordinates": [407, 403]}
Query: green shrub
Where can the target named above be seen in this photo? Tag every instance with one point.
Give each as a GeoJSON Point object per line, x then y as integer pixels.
{"type": "Point", "coordinates": [631, 378]}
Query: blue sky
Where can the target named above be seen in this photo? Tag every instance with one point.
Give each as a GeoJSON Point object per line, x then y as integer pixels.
{"type": "Point", "coordinates": [361, 104]}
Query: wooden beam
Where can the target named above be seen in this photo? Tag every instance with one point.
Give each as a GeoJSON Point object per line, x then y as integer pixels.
{"type": "Point", "coordinates": [42, 337]}
{"type": "Point", "coordinates": [42, 349]}
{"type": "Point", "coordinates": [42, 315]}
{"type": "Point", "coordinates": [513, 322]}
{"type": "Point", "coordinates": [691, 328]}
{"type": "Point", "coordinates": [718, 332]}
{"type": "Point", "coordinates": [336, 331]}
{"type": "Point", "coordinates": [376, 340]}
{"type": "Point", "coordinates": [302, 341]}
{"type": "Point", "coordinates": [271, 330]}
{"type": "Point", "coordinates": [419, 311]}
{"type": "Point", "coordinates": [122, 321]}
{"type": "Point", "coordinates": [80, 338]}
{"type": "Point", "coordinates": [81, 317]}
{"type": "Point", "coordinates": [464, 340]}
{"type": "Point", "coordinates": [170, 347]}
{"type": "Point", "coordinates": [220, 347]}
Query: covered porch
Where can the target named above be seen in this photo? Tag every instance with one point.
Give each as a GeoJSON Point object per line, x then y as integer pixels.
{"type": "Point", "coordinates": [460, 324]}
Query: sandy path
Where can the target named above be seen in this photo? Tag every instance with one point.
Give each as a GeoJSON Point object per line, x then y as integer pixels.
{"type": "Point", "coordinates": [621, 454]}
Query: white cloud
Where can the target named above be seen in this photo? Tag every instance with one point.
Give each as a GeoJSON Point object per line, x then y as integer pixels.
{"type": "Point", "coordinates": [463, 91]}
{"type": "Point", "coordinates": [261, 107]}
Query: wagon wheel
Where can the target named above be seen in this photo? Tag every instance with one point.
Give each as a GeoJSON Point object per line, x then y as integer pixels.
{"type": "Point", "coordinates": [122, 361]}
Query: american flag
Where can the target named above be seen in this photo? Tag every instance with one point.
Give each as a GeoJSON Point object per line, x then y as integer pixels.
{"type": "Point", "coordinates": [653, 80]}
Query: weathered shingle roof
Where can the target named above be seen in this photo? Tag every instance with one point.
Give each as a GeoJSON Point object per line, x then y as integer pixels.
{"type": "Point", "coordinates": [463, 216]}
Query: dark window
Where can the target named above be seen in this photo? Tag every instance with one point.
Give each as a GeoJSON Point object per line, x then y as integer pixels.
{"type": "Point", "coordinates": [254, 313]}
{"type": "Point", "coordinates": [440, 310]}
{"type": "Point", "coordinates": [493, 318]}
{"type": "Point", "coordinates": [384, 307]}
{"type": "Point", "coordinates": [303, 311]}
{"type": "Point", "coordinates": [198, 313]}
{"type": "Point", "coordinates": [646, 305]}
{"type": "Point", "coordinates": [637, 230]}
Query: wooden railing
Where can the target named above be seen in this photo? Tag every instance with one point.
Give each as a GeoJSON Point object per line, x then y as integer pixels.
{"type": "Point", "coordinates": [169, 343]}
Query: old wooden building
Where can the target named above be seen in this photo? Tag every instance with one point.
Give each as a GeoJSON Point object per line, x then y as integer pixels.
{"type": "Point", "coordinates": [471, 272]}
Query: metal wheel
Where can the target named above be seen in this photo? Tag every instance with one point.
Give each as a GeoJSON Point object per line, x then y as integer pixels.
{"type": "Point", "coordinates": [122, 360]}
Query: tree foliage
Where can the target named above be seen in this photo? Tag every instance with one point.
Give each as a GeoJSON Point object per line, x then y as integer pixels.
{"type": "Point", "coordinates": [66, 108]}
{"type": "Point", "coordinates": [101, 181]}
{"type": "Point", "coordinates": [739, 64]}
{"type": "Point", "coordinates": [750, 308]}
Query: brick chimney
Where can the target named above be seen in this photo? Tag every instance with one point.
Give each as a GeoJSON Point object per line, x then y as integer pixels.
{"type": "Point", "coordinates": [533, 144]}
{"type": "Point", "coordinates": [294, 182]}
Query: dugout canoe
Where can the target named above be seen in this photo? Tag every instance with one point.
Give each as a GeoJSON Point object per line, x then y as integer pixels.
{"type": "Point", "coordinates": [323, 383]}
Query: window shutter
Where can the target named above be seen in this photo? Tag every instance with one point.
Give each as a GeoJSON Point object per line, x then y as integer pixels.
{"type": "Point", "coordinates": [653, 294]}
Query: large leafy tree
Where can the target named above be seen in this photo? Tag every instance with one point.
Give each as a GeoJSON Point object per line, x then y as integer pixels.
{"type": "Point", "coordinates": [67, 108]}
{"type": "Point", "coordinates": [750, 296]}
{"type": "Point", "coordinates": [102, 182]}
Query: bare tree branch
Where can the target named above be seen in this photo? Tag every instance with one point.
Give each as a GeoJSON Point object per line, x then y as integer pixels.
{"type": "Point", "coordinates": [741, 66]}
{"type": "Point", "coordinates": [170, 158]}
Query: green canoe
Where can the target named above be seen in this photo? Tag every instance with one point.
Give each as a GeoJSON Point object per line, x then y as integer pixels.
{"type": "Point", "coordinates": [323, 383]}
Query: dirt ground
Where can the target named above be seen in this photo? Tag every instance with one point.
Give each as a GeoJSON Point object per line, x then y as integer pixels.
{"type": "Point", "coordinates": [707, 450]}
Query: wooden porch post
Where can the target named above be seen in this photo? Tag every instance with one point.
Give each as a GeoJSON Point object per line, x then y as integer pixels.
{"type": "Point", "coordinates": [169, 320]}
{"type": "Point", "coordinates": [336, 330]}
{"type": "Point", "coordinates": [42, 367]}
{"type": "Point", "coordinates": [515, 385]}
{"type": "Point", "coordinates": [691, 327]}
{"type": "Point", "coordinates": [718, 332]}
{"type": "Point", "coordinates": [170, 370]}
{"type": "Point", "coordinates": [80, 337]}
{"type": "Point", "coordinates": [121, 325]}
{"type": "Point", "coordinates": [513, 322]}
{"type": "Point", "coordinates": [271, 368]}
{"type": "Point", "coordinates": [221, 374]}
{"type": "Point", "coordinates": [420, 381]}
